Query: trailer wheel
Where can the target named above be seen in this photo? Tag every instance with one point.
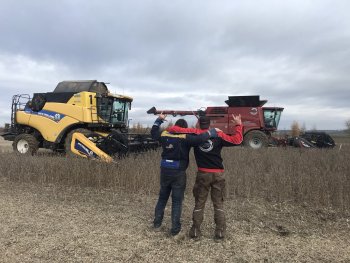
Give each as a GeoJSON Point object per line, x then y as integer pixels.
{"type": "Point", "coordinates": [68, 141]}
{"type": "Point", "coordinates": [25, 144]}
{"type": "Point", "coordinates": [255, 140]}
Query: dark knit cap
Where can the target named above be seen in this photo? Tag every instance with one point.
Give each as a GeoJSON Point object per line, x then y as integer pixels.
{"type": "Point", "coordinates": [181, 123]}
{"type": "Point", "coordinates": [204, 122]}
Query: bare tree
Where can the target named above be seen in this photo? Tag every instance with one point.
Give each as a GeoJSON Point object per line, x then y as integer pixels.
{"type": "Point", "coordinates": [295, 129]}
{"type": "Point", "coordinates": [303, 128]}
{"type": "Point", "coordinates": [347, 124]}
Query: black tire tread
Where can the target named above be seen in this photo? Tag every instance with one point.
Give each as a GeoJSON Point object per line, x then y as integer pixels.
{"type": "Point", "coordinates": [32, 142]}
{"type": "Point", "coordinates": [68, 139]}
{"type": "Point", "coordinates": [256, 134]}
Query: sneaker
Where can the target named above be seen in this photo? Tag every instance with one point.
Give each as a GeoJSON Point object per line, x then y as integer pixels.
{"type": "Point", "coordinates": [195, 232]}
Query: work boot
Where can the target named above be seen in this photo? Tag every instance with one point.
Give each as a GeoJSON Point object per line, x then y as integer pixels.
{"type": "Point", "coordinates": [220, 221]}
{"type": "Point", "coordinates": [220, 233]}
{"type": "Point", "coordinates": [195, 232]}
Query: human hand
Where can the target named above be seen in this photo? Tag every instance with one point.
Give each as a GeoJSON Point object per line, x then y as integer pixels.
{"type": "Point", "coordinates": [162, 116]}
{"type": "Point", "coordinates": [218, 130]}
{"type": "Point", "coordinates": [236, 119]}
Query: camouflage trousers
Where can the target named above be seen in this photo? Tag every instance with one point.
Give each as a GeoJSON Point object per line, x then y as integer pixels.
{"type": "Point", "coordinates": [215, 184]}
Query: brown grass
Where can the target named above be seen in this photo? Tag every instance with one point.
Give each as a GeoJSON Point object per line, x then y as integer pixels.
{"type": "Point", "coordinates": [283, 205]}
{"type": "Point", "coordinates": [319, 178]}
{"type": "Point", "coordinates": [341, 139]}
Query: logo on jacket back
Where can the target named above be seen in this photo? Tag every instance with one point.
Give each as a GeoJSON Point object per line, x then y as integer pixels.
{"type": "Point", "coordinates": [169, 146]}
{"type": "Point", "coordinates": [207, 146]}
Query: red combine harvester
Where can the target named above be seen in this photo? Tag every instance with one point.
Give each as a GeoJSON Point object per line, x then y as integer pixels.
{"type": "Point", "coordinates": [258, 121]}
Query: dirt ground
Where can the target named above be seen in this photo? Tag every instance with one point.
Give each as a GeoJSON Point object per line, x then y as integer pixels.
{"type": "Point", "coordinates": [62, 224]}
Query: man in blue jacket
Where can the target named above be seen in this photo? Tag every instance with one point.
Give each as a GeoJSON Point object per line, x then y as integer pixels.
{"type": "Point", "coordinates": [175, 159]}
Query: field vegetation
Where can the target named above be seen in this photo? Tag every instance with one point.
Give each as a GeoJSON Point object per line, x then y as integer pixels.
{"type": "Point", "coordinates": [283, 204]}
{"type": "Point", "coordinates": [341, 139]}
{"type": "Point", "coordinates": [315, 177]}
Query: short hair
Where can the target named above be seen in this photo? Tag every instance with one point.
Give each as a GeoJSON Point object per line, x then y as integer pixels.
{"type": "Point", "coordinates": [181, 123]}
{"type": "Point", "coordinates": [204, 122]}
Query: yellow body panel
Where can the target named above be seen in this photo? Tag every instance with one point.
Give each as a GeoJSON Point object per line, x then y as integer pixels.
{"type": "Point", "coordinates": [82, 106]}
{"type": "Point", "coordinates": [87, 102]}
{"type": "Point", "coordinates": [55, 116]}
{"type": "Point", "coordinates": [49, 128]}
{"type": "Point", "coordinates": [73, 111]}
{"type": "Point", "coordinates": [22, 117]}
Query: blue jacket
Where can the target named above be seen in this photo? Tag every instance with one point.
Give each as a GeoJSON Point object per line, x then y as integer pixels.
{"type": "Point", "coordinates": [176, 148]}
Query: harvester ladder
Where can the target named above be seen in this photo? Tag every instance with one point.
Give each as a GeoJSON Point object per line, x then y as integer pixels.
{"type": "Point", "coordinates": [18, 103]}
{"type": "Point", "coordinates": [94, 114]}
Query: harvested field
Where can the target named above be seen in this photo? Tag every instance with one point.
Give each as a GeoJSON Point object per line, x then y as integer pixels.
{"type": "Point", "coordinates": [5, 146]}
{"type": "Point", "coordinates": [60, 224]}
{"type": "Point", "coordinates": [282, 205]}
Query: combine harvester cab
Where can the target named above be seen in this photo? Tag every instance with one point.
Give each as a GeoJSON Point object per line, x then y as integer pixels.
{"type": "Point", "coordinates": [78, 117]}
{"type": "Point", "coordinates": [258, 122]}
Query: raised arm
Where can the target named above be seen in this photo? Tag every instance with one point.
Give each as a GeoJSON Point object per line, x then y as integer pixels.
{"type": "Point", "coordinates": [237, 137]}
{"type": "Point", "coordinates": [155, 131]}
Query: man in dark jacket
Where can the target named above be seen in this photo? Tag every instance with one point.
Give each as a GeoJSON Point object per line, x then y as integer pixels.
{"type": "Point", "coordinates": [210, 175]}
{"type": "Point", "coordinates": [173, 167]}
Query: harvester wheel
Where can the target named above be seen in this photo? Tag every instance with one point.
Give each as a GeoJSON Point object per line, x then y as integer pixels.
{"type": "Point", "coordinates": [255, 140]}
{"type": "Point", "coordinates": [68, 141]}
{"type": "Point", "coordinates": [25, 144]}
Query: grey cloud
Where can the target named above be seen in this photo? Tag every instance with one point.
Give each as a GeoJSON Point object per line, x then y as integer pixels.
{"type": "Point", "coordinates": [182, 54]}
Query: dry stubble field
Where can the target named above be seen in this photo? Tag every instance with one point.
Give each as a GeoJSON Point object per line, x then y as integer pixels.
{"type": "Point", "coordinates": [283, 205]}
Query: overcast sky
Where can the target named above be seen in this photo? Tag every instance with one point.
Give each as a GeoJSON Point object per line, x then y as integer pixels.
{"type": "Point", "coordinates": [184, 54]}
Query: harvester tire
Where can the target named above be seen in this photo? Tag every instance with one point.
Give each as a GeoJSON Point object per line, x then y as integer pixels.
{"type": "Point", "coordinates": [255, 140]}
{"type": "Point", "coordinates": [68, 141]}
{"type": "Point", "coordinates": [25, 144]}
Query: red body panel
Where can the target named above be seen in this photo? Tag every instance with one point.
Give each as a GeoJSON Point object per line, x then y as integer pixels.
{"type": "Point", "coordinates": [252, 118]}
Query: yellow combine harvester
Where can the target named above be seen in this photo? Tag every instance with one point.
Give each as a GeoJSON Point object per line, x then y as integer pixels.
{"type": "Point", "coordinates": [78, 117]}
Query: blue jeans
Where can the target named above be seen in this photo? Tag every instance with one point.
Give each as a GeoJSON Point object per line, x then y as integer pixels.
{"type": "Point", "coordinates": [174, 184]}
